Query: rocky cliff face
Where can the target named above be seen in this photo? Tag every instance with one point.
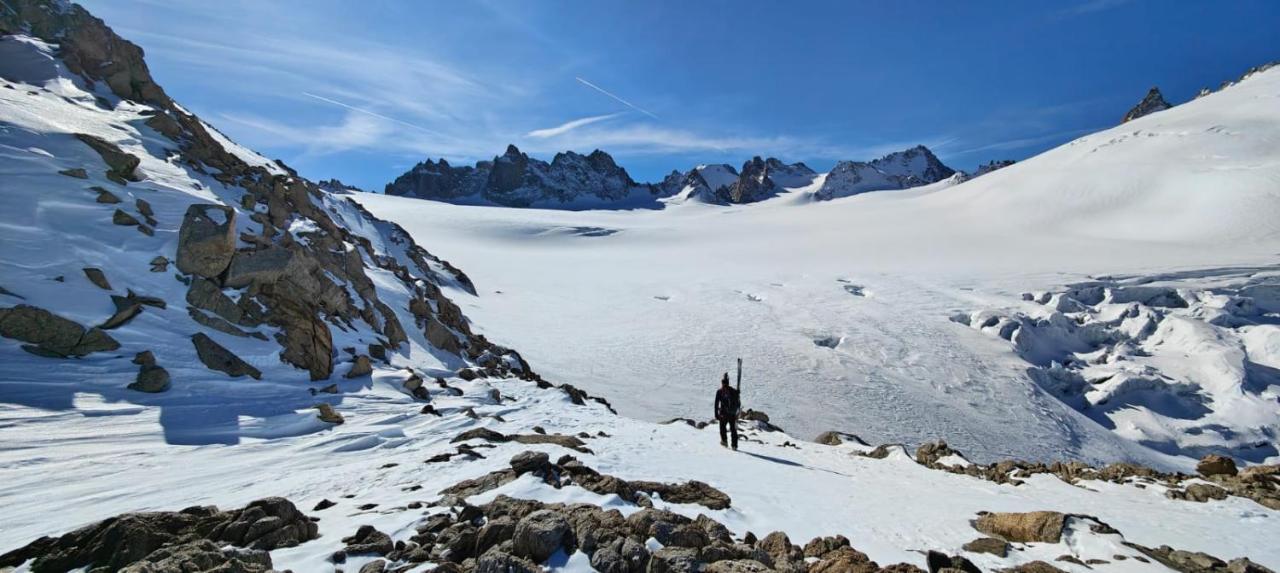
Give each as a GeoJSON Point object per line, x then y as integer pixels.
{"type": "Point", "coordinates": [899, 170]}
{"type": "Point", "coordinates": [514, 179]}
{"type": "Point", "coordinates": [1150, 104]}
{"type": "Point", "coordinates": [263, 257]}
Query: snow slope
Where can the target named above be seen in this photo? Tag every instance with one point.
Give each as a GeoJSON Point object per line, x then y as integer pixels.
{"type": "Point", "coordinates": [648, 309]}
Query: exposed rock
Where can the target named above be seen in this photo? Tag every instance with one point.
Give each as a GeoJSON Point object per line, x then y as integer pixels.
{"type": "Point", "coordinates": [216, 357]}
{"type": "Point", "coordinates": [1151, 103]}
{"type": "Point", "coordinates": [122, 164]}
{"type": "Point", "coordinates": [105, 196]}
{"type": "Point", "coordinates": [1030, 527]}
{"type": "Point", "coordinates": [151, 378]}
{"type": "Point", "coordinates": [844, 560]}
{"type": "Point", "coordinates": [675, 560]}
{"type": "Point", "coordinates": [622, 555]}
{"type": "Point", "coordinates": [375, 566]}
{"type": "Point", "coordinates": [1213, 465]}
{"type": "Point", "coordinates": [145, 208]}
{"type": "Point", "coordinates": [122, 316]}
{"type": "Point", "coordinates": [202, 555]}
{"type": "Point", "coordinates": [368, 539]}
{"type": "Point", "coordinates": [159, 264]}
{"type": "Point", "coordinates": [50, 334]}
{"type": "Point", "coordinates": [740, 566]}
{"type": "Point", "coordinates": [122, 218]}
{"type": "Point", "coordinates": [539, 534]}
{"type": "Point", "coordinates": [833, 438]}
{"type": "Point", "coordinates": [502, 562]}
{"type": "Point", "coordinates": [77, 172]}
{"type": "Point", "coordinates": [205, 294]}
{"type": "Point", "coordinates": [131, 538]}
{"type": "Point", "coordinates": [360, 366]}
{"type": "Point", "coordinates": [939, 561]}
{"type": "Point", "coordinates": [929, 453]}
{"type": "Point", "coordinates": [997, 547]}
{"type": "Point", "coordinates": [323, 505]}
{"type": "Point", "coordinates": [206, 240]}
{"type": "Point", "coordinates": [1033, 567]}
{"type": "Point", "coordinates": [530, 461]}
{"type": "Point", "coordinates": [97, 277]}
{"type": "Point", "coordinates": [899, 170]}
{"type": "Point", "coordinates": [820, 546]}
{"type": "Point", "coordinates": [328, 414]}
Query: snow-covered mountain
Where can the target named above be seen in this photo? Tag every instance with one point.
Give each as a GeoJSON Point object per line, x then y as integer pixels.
{"type": "Point", "coordinates": [1151, 103]}
{"type": "Point", "coordinates": [899, 170]}
{"type": "Point", "coordinates": [513, 179]}
{"type": "Point", "coordinates": [187, 324]}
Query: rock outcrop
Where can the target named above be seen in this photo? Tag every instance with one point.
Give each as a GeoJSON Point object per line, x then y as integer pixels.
{"type": "Point", "coordinates": [217, 357]}
{"type": "Point", "coordinates": [1150, 104]}
{"type": "Point", "coordinates": [48, 334]}
{"type": "Point", "coordinates": [152, 542]}
{"type": "Point", "coordinates": [206, 240]}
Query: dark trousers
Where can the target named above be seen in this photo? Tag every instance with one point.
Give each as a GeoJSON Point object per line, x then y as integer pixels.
{"type": "Point", "coordinates": [733, 429]}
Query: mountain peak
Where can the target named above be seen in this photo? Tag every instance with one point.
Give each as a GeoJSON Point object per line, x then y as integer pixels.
{"type": "Point", "coordinates": [1151, 103]}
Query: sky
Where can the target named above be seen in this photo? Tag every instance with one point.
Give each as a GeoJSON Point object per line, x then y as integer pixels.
{"type": "Point", "coordinates": [362, 91]}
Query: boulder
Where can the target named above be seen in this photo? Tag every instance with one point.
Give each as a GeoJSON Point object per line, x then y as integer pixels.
{"type": "Point", "coordinates": [105, 197]}
{"type": "Point", "coordinates": [206, 240]}
{"type": "Point", "coordinates": [1033, 567]}
{"type": "Point", "coordinates": [820, 546]}
{"type": "Point", "coordinates": [202, 555]}
{"type": "Point", "coordinates": [216, 357]}
{"type": "Point", "coordinates": [530, 461]}
{"type": "Point", "coordinates": [263, 267]}
{"type": "Point", "coordinates": [328, 414]}
{"type": "Point", "coordinates": [124, 219]}
{"type": "Point", "coordinates": [930, 453]}
{"type": "Point", "coordinates": [501, 562]}
{"type": "Point", "coordinates": [622, 555]}
{"type": "Point", "coordinates": [368, 539]}
{"type": "Point", "coordinates": [144, 358]}
{"type": "Point", "coordinates": [205, 294]}
{"type": "Point", "coordinates": [675, 560]}
{"type": "Point", "coordinates": [539, 535]}
{"type": "Point", "coordinates": [145, 208]}
{"type": "Point", "coordinates": [1030, 527]}
{"type": "Point", "coordinates": [151, 379]}
{"type": "Point", "coordinates": [997, 547]}
{"type": "Point", "coordinates": [1216, 465]}
{"type": "Point", "coordinates": [124, 313]}
{"type": "Point", "coordinates": [306, 339]}
{"type": "Point", "coordinates": [77, 172]}
{"type": "Point", "coordinates": [159, 264]}
{"type": "Point", "coordinates": [360, 366]}
{"type": "Point", "coordinates": [50, 334]}
{"type": "Point", "coordinates": [173, 541]}
{"type": "Point", "coordinates": [97, 277]}
{"type": "Point", "coordinates": [122, 164]}
{"type": "Point", "coordinates": [375, 566]}
{"type": "Point", "coordinates": [844, 560]}
{"type": "Point", "coordinates": [738, 566]}
{"type": "Point", "coordinates": [441, 337]}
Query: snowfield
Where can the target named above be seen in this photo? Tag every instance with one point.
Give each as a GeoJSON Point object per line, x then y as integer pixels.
{"type": "Point", "coordinates": [842, 309]}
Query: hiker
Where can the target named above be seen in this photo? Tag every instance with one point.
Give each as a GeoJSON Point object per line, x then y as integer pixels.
{"type": "Point", "coordinates": [727, 405]}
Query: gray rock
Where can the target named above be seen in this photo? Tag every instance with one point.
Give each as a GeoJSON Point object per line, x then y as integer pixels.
{"type": "Point", "coordinates": [202, 555]}
{"type": "Point", "coordinates": [151, 379]}
{"type": "Point", "coordinates": [675, 560]}
{"type": "Point", "coordinates": [1030, 527]}
{"type": "Point", "coordinates": [622, 555]}
{"type": "Point", "coordinates": [530, 461]}
{"type": "Point", "coordinates": [500, 562]}
{"type": "Point", "coordinates": [122, 164]}
{"type": "Point", "coordinates": [540, 534]}
{"type": "Point", "coordinates": [52, 335]}
{"type": "Point", "coordinates": [97, 277]}
{"type": "Point", "coordinates": [1151, 103]}
{"type": "Point", "coordinates": [206, 295]}
{"type": "Point", "coordinates": [77, 172]}
{"type": "Point", "coordinates": [997, 547]}
{"type": "Point", "coordinates": [367, 539]}
{"type": "Point", "coordinates": [206, 240]}
{"type": "Point", "coordinates": [122, 218]}
{"type": "Point", "coordinates": [105, 196]}
{"type": "Point", "coordinates": [216, 357]}
{"type": "Point", "coordinates": [360, 366]}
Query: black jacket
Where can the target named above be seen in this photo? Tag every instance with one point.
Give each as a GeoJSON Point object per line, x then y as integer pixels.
{"type": "Point", "coordinates": [727, 403]}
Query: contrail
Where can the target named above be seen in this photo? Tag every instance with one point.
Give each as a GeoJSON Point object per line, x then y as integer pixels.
{"type": "Point", "coordinates": [570, 126]}
{"type": "Point", "coordinates": [620, 100]}
{"type": "Point", "coordinates": [366, 112]}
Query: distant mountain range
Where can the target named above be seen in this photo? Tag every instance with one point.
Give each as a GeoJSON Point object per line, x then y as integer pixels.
{"type": "Point", "coordinates": [575, 181]}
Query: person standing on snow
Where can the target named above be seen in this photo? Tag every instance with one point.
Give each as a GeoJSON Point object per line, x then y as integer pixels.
{"type": "Point", "coordinates": [727, 405]}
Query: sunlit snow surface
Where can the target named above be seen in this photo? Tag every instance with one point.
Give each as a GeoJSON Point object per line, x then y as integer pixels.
{"type": "Point", "coordinates": [841, 309]}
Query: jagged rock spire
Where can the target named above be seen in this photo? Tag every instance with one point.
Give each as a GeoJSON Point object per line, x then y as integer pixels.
{"type": "Point", "coordinates": [1152, 103]}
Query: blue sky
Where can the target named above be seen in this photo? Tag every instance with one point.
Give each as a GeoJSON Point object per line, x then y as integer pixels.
{"type": "Point", "coordinates": [363, 90]}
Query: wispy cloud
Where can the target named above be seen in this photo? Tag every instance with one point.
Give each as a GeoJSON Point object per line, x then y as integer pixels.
{"type": "Point", "coordinates": [620, 100]}
{"type": "Point", "coordinates": [366, 112]}
{"type": "Point", "coordinates": [568, 126]}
